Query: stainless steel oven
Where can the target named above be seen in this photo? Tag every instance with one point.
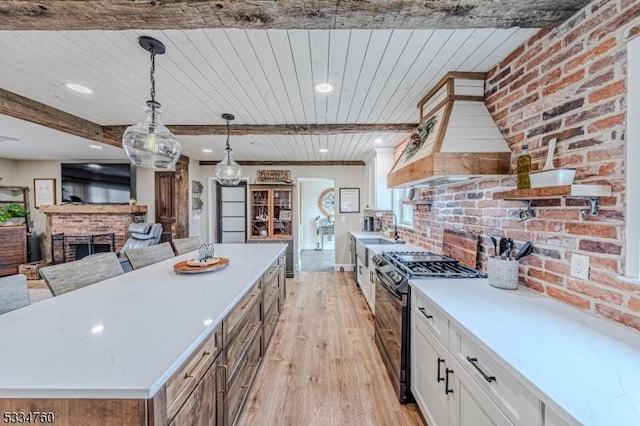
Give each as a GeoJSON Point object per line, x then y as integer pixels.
{"type": "Point", "coordinates": [391, 322]}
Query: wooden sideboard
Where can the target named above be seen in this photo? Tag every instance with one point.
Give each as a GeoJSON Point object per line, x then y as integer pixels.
{"type": "Point", "coordinates": [13, 240]}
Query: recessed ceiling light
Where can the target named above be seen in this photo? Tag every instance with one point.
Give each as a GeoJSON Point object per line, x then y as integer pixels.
{"type": "Point", "coordinates": [323, 150]}
{"type": "Point", "coordinates": [324, 88]}
{"type": "Point", "coordinates": [207, 150]}
{"type": "Point", "coordinates": [78, 88]}
{"type": "Point", "coordinates": [8, 139]}
{"type": "Point", "coordinates": [208, 321]}
{"type": "Point", "coordinates": [95, 146]}
{"type": "Point", "coordinates": [97, 329]}
{"type": "Point", "coordinates": [377, 141]}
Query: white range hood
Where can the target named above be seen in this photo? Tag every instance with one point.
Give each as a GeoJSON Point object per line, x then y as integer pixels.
{"type": "Point", "coordinates": [464, 141]}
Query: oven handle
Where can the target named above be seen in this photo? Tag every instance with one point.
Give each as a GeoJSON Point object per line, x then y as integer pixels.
{"type": "Point", "coordinates": [381, 281]}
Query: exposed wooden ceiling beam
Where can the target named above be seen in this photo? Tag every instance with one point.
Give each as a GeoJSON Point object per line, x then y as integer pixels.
{"type": "Point", "coordinates": [115, 132]}
{"type": "Point", "coordinates": [288, 163]}
{"type": "Point", "coordinates": [23, 108]}
{"type": "Point", "coordinates": [29, 110]}
{"type": "Point", "coordinates": [285, 14]}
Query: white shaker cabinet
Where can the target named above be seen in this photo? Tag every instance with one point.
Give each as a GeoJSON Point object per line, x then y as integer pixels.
{"type": "Point", "coordinates": [377, 196]}
{"type": "Point", "coordinates": [445, 393]}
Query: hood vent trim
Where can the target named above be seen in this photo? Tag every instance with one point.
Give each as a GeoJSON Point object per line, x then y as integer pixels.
{"type": "Point", "coordinates": [464, 143]}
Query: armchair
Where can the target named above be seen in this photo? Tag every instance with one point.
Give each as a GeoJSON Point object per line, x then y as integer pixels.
{"type": "Point", "coordinates": [141, 235]}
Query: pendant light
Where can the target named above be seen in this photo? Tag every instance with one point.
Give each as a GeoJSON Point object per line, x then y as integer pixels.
{"type": "Point", "coordinates": [228, 172]}
{"type": "Point", "coordinates": [149, 143]}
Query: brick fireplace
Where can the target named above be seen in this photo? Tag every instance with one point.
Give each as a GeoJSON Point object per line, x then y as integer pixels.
{"type": "Point", "coordinates": [86, 220]}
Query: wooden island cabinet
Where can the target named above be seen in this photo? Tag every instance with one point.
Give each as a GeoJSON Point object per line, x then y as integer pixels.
{"type": "Point", "coordinates": [209, 387]}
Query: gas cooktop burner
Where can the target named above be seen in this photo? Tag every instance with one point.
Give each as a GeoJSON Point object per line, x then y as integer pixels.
{"type": "Point", "coordinates": [428, 264]}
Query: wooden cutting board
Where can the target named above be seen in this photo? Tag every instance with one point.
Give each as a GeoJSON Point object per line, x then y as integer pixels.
{"type": "Point", "coordinates": [461, 245]}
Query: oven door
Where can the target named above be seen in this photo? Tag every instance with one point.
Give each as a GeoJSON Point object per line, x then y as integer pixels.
{"type": "Point", "coordinates": [390, 334]}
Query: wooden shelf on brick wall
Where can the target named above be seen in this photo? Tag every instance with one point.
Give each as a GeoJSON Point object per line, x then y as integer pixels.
{"type": "Point", "coordinates": [417, 203]}
{"type": "Point", "coordinates": [591, 193]}
{"type": "Point", "coordinates": [569, 191]}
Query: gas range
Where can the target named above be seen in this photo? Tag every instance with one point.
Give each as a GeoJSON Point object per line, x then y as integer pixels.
{"type": "Point", "coordinates": [396, 268]}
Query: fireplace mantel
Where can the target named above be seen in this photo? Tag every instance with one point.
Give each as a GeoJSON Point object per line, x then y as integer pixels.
{"type": "Point", "coordinates": [94, 209]}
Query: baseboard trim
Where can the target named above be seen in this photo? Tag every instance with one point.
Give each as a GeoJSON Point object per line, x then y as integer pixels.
{"type": "Point", "coordinates": [343, 267]}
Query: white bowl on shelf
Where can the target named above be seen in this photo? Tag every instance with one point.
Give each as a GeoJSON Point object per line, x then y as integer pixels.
{"type": "Point", "coordinates": [553, 177]}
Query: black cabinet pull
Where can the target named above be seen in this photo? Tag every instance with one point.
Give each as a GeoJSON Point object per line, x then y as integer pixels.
{"type": "Point", "coordinates": [425, 313]}
{"type": "Point", "coordinates": [447, 371]}
{"type": "Point", "coordinates": [474, 362]}
{"type": "Point", "coordinates": [440, 361]}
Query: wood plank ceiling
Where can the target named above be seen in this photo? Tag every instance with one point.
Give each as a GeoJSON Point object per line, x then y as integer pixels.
{"type": "Point", "coordinates": [257, 60]}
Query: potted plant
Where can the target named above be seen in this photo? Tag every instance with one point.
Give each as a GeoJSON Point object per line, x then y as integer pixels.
{"type": "Point", "coordinates": [12, 214]}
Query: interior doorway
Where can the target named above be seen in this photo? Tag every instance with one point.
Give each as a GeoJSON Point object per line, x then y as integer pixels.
{"type": "Point", "coordinates": [316, 240]}
{"type": "Point", "coordinates": [166, 203]}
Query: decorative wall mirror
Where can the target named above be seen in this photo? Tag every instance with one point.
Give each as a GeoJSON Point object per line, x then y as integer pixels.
{"type": "Point", "coordinates": [326, 202]}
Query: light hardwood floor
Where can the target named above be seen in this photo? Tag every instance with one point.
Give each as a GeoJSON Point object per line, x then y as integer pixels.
{"type": "Point", "coordinates": [322, 366]}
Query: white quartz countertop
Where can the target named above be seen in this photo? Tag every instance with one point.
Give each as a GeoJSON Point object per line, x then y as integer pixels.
{"type": "Point", "coordinates": [379, 248]}
{"type": "Point", "coordinates": [586, 366]}
{"type": "Point", "coordinates": [123, 337]}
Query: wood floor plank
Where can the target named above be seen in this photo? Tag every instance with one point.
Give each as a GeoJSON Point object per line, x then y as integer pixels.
{"type": "Point", "coordinates": [322, 366]}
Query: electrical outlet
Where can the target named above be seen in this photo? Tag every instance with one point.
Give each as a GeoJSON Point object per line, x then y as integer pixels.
{"type": "Point", "coordinates": [580, 266]}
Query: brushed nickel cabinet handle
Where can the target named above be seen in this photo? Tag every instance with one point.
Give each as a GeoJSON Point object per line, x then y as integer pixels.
{"type": "Point", "coordinates": [224, 366]}
{"type": "Point", "coordinates": [192, 373]}
{"type": "Point", "coordinates": [250, 333]}
{"type": "Point", "coordinates": [248, 301]}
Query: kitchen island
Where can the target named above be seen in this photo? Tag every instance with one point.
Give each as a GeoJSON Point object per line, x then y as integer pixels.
{"type": "Point", "coordinates": [124, 338]}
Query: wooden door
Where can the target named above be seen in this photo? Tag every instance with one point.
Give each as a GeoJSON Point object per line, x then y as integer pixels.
{"type": "Point", "coordinates": [166, 203]}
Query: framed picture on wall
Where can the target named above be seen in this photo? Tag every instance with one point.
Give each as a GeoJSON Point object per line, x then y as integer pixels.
{"type": "Point", "coordinates": [349, 200]}
{"type": "Point", "coordinates": [44, 192]}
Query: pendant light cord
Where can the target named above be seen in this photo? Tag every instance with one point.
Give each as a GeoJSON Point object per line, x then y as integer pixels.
{"type": "Point", "coordinates": [153, 76]}
{"type": "Point", "coordinates": [228, 147]}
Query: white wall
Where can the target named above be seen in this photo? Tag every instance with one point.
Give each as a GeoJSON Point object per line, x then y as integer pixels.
{"type": "Point", "coordinates": [343, 176]}
{"type": "Point", "coordinates": [310, 190]}
{"type": "Point", "coordinates": [7, 172]}
{"type": "Point", "coordinates": [195, 228]}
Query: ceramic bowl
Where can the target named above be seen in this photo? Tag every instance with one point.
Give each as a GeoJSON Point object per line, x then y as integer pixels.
{"type": "Point", "coordinates": [555, 177]}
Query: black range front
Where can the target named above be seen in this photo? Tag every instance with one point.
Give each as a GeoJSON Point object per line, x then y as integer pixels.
{"type": "Point", "coordinates": [391, 322]}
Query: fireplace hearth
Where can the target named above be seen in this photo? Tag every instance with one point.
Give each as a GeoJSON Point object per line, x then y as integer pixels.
{"type": "Point", "coordinates": [67, 248]}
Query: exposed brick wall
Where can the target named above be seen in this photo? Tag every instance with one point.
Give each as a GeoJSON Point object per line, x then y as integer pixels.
{"type": "Point", "coordinates": [567, 83]}
{"type": "Point", "coordinates": [92, 224]}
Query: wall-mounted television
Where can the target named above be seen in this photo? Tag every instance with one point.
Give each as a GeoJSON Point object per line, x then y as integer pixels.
{"type": "Point", "coordinates": [98, 183]}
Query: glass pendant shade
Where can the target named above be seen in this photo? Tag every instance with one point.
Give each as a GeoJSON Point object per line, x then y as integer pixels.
{"type": "Point", "coordinates": [228, 172]}
{"type": "Point", "coordinates": [149, 143]}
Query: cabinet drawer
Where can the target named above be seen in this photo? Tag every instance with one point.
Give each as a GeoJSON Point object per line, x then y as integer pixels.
{"type": "Point", "coordinates": [240, 383]}
{"type": "Point", "coordinates": [183, 381]}
{"type": "Point", "coordinates": [432, 317]}
{"type": "Point", "coordinates": [270, 321]}
{"type": "Point", "coordinates": [204, 405]}
{"type": "Point", "coordinates": [237, 345]}
{"type": "Point", "coordinates": [236, 316]}
{"type": "Point", "coordinates": [271, 272]}
{"type": "Point", "coordinates": [271, 292]}
{"type": "Point", "coordinates": [518, 404]}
